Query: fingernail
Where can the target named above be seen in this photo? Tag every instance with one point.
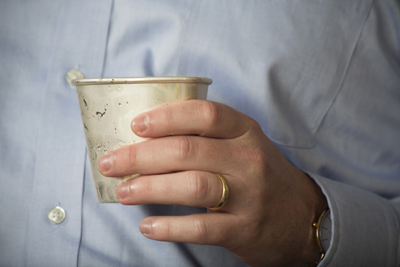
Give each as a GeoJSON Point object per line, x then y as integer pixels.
{"type": "Point", "coordinates": [145, 227]}
{"type": "Point", "coordinates": [105, 163]}
{"type": "Point", "coordinates": [140, 123]}
{"type": "Point", "coordinates": [123, 191]}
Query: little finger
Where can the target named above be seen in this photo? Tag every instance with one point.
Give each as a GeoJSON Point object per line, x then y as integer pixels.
{"type": "Point", "coordinates": [207, 228]}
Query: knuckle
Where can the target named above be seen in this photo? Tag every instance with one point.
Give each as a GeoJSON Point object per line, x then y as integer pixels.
{"type": "Point", "coordinates": [253, 228]}
{"type": "Point", "coordinates": [169, 115]}
{"type": "Point", "coordinates": [261, 159]}
{"type": "Point", "coordinates": [168, 232]}
{"type": "Point", "coordinates": [186, 148]}
{"type": "Point", "coordinates": [198, 186]}
{"type": "Point", "coordinates": [200, 230]}
{"type": "Point", "coordinates": [146, 188]}
{"type": "Point", "coordinates": [255, 126]}
{"type": "Point", "coordinates": [256, 159]}
{"type": "Point", "coordinates": [211, 113]}
{"type": "Point", "coordinates": [254, 130]}
{"type": "Point", "coordinates": [132, 156]}
{"type": "Point", "coordinates": [240, 227]}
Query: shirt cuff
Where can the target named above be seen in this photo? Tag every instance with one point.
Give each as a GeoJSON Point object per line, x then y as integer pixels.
{"type": "Point", "coordinates": [365, 228]}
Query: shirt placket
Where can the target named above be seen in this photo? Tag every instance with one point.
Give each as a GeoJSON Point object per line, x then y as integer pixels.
{"type": "Point", "coordinates": [55, 213]}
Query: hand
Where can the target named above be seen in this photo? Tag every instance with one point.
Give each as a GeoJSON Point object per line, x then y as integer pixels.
{"type": "Point", "coordinates": [272, 205]}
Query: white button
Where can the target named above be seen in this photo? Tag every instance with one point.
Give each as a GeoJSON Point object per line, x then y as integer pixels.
{"type": "Point", "coordinates": [56, 214]}
{"type": "Point", "coordinates": [72, 75]}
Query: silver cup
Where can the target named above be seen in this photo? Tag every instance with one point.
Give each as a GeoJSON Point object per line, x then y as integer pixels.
{"type": "Point", "coordinates": [108, 106]}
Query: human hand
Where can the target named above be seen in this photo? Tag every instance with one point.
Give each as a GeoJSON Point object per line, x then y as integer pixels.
{"type": "Point", "coordinates": [271, 207]}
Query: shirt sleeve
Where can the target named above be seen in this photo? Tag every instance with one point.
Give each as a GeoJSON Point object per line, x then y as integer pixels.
{"type": "Point", "coordinates": [365, 226]}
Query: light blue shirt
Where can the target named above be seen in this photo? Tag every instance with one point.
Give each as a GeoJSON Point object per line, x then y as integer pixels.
{"type": "Point", "coordinates": [322, 78]}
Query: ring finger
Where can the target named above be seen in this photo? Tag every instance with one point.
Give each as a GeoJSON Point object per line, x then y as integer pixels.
{"type": "Point", "coordinates": [189, 188]}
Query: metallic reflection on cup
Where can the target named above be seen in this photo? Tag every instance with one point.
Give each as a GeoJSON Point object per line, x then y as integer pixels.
{"type": "Point", "coordinates": [108, 106]}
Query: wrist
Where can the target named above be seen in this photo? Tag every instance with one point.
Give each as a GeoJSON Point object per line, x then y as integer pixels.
{"type": "Point", "coordinates": [323, 233]}
{"type": "Point", "coordinates": [318, 205]}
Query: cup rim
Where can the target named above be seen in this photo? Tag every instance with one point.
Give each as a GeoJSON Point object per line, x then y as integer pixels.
{"type": "Point", "coordinates": [137, 80]}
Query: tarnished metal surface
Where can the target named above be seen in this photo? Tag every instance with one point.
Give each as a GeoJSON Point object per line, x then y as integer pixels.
{"type": "Point", "coordinates": [109, 105]}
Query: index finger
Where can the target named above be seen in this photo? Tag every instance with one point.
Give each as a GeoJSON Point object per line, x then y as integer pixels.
{"type": "Point", "coordinates": [199, 117]}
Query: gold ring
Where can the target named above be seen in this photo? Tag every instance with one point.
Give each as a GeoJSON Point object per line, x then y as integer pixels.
{"type": "Point", "coordinates": [225, 193]}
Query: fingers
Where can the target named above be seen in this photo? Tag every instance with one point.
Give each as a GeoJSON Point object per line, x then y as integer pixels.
{"type": "Point", "coordinates": [199, 117]}
{"type": "Point", "coordinates": [211, 228]}
{"type": "Point", "coordinates": [183, 151]}
{"type": "Point", "coordinates": [192, 188]}
{"type": "Point", "coordinates": [200, 189]}
{"type": "Point", "coordinates": [169, 154]}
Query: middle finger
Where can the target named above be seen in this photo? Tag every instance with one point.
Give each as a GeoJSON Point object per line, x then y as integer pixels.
{"type": "Point", "coordinates": [169, 154]}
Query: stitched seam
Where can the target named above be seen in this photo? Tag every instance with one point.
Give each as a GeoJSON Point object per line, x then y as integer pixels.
{"type": "Point", "coordinates": [347, 69]}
